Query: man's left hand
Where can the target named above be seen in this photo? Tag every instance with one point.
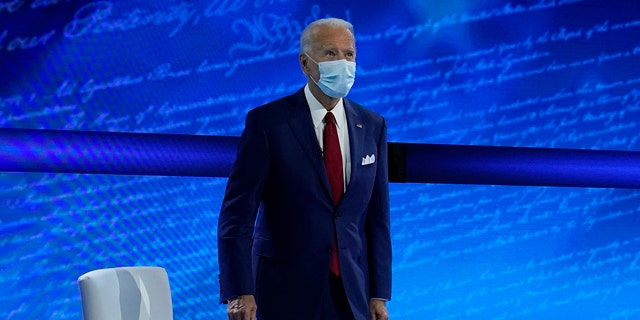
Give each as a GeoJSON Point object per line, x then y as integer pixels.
{"type": "Point", "coordinates": [378, 309]}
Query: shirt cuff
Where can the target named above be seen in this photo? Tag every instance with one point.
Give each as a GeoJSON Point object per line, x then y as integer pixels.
{"type": "Point", "coordinates": [381, 299]}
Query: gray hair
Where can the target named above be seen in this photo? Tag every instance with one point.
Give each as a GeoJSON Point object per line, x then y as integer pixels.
{"type": "Point", "coordinates": [306, 37]}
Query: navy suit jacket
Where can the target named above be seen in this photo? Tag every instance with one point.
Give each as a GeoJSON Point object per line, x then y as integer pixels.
{"type": "Point", "coordinates": [278, 221]}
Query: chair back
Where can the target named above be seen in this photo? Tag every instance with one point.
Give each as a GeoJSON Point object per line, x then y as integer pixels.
{"type": "Point", "coordinates": [126, 293]}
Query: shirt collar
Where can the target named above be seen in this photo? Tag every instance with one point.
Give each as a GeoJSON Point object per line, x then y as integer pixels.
{"type": "Point", "coordinates": [318, 111]}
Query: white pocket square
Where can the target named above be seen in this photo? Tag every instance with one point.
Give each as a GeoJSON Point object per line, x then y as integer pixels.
{"type": "Point", "coordinates": [368, 160]}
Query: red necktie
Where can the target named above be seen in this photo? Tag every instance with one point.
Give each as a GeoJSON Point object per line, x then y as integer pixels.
{"type": "Point", "coordinates": [333, 165]}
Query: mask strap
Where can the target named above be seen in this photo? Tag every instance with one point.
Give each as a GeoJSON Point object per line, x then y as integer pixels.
{"type": "Point", "coordinates": [312, 79]}
{"type": "Point", "coordinates": [308, 56]}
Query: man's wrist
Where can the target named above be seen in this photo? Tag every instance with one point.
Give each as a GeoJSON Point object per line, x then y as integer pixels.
{"type": "Point", "coordinates": [233, 299]}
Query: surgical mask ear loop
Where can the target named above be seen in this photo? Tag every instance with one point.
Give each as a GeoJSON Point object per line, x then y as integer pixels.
{"type": "Point", "coordinates": [310, 76]}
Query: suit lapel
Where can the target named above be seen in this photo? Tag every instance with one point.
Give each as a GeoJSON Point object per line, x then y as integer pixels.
{"type": "Point", "coordinates": [302, 127]}
{"type": "Point", "coordinates": [356, 137]}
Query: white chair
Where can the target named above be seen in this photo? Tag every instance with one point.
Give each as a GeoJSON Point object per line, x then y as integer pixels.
{"type": "Point", "coordinates": [126, 293]}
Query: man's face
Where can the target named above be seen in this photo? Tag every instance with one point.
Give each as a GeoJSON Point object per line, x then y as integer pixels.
{"type": "Point", "coordinates": [330, 43]}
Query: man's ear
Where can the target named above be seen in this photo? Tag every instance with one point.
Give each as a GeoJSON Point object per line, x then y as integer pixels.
{"type": "Point", "coordinates": [304, 63]}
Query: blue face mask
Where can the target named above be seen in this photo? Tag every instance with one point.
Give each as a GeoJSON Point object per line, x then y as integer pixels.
{"type": "Point", "coordinates": [336, 77]}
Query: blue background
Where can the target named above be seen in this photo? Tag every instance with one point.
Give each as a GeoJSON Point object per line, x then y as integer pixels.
{"type": "Point", "coordinates": [543, 73]}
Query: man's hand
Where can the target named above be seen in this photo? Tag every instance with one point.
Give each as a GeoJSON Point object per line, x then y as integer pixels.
{"type": "Point", "coordinates": [242, 308]}
{"type": "Point", "coordinates": [378, 309]}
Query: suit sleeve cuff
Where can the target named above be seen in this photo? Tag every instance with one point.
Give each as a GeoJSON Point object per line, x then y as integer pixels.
{"type": "Point", "coordinates": [381, 299]}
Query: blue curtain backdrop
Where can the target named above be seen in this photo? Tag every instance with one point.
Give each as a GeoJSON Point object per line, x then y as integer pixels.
{"type": "Point", "coordinates": [541, 73]}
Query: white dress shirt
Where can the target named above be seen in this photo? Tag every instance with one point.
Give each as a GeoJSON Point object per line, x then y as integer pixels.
{"type": "Point", "coordinates": [317, 114]}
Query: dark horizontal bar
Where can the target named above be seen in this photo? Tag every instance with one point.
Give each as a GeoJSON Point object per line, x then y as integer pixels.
{"type": "Point", "coordinates": [90, 152]}
{"type": "Point", "coordinates": [60, 151]}
{"type": "Point", "coordinates": [491, 165]}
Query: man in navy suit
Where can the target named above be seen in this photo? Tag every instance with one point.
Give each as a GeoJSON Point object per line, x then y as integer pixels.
{"type": "Point", "coordinates": [298, 237]}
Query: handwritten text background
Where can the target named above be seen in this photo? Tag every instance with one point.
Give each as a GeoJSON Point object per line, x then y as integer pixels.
{"type": "Point", "coordinates": [537, 73]}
